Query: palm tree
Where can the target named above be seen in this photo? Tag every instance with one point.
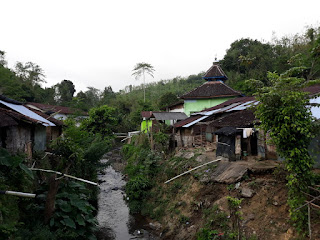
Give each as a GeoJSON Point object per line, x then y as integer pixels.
{"type": "Point", "coordinates": [139, 70]}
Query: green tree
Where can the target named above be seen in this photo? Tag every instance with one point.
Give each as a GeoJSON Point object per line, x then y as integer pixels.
{"type": "Point", "coordinates": [30, 72]}
{"type": "Point", "coordinates": [167, 99]}
{"type": "Point", "coordinates": [284, 113]}
{"type": "Point", "coordinates": [107, 96]}
{"type": "Point", "coordinates": [64, 92]}
{"type": "Point", "coordinates": [101, 120]}
{"type": "Point", "coordinates": [141, 69]}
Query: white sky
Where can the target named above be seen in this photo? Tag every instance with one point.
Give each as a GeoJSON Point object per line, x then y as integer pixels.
{"type": "Point", "coordinates": [97, 43]}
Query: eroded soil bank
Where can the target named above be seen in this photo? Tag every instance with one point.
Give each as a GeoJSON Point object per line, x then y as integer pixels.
{"type": "Point", "coordinates": [199, 200]}
{"type": "Point", "coordinates": [196, 201]}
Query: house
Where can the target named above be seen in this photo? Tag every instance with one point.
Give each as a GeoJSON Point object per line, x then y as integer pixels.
{"type": "Point", "coordinates": [23, 130]}
{"type": "Point", "coordinates": [213, 92]}
{"type": "Point", "coordinates": [175, 107]}
{"type": "Point", "coordinates": [153, 120]}
{"type": "Point", "coordinates": [57, 112]}
{"type": "Point", "coordinates": [200, 126]}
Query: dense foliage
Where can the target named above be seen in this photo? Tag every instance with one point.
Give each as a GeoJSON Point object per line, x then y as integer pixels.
{"type": "Point", "coordinates": [251, 59]}
{"type": "Point", "coordinates": [76, 153]}
{"type": "Point", "coordinates": [286, 117]}
{"type": "Point", "coordinates": [143, 164]}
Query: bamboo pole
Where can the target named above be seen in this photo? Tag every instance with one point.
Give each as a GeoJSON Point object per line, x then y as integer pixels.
{"type": "Point", "coordinates": [309, 221]}
{"type": "Point", "coordinates": [192, 170]}
{"type": "Point", "coordinates": [64, 175]}
{"type": "Point", "coordinates": [307, 202]}
{"type": "Point", "coordinates": [18, 194]}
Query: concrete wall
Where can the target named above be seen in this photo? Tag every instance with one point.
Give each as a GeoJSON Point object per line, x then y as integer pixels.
{"type": "Point", "coordinates": [191, 106]}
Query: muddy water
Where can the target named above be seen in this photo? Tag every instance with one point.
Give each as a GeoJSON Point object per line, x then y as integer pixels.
{"type": "Point", "coordinates": [114, 219]}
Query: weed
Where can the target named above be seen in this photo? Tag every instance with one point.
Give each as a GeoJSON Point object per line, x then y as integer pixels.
{"type": "Point", "coordinates": [230, 187]}
{"type": "Point", "coordinates": [184, 219]}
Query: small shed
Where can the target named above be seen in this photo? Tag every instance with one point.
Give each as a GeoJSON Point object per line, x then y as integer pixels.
{"type": "Point", "coordinates": [24, 130]}
{"type": "Point", "coordinates": [226, 142]}
{"type": "Point", "coordinates": [152, 120]}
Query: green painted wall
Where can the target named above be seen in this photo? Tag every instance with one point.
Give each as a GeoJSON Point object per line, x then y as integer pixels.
{"type": "Point", "coordinates": [146, 125]}
{"type": "Point", "coordinates": [191, 106]}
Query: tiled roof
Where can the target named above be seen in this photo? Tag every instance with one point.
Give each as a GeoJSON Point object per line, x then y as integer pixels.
{"type": "Point", "coordinates": [215, 72]}
{"type": "Point", "coordinates": [237, 119]}
{"type": "Point", "coordinates": [314, 89]}
{"type": "Point", "coordinates": [211, 89]}
{"type": "Point", "coordinates": [146, 114]}
{"type": "Point", "coordinates": [53, 108]}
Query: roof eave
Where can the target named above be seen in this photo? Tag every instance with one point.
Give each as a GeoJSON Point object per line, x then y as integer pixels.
{"type": "Point", "coordinates": [209, 97]}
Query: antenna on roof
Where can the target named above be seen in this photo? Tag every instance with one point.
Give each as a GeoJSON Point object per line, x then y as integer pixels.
{"type": "Point", "coordinates": [215, 58]}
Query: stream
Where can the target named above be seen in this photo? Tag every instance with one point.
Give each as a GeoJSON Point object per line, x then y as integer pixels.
{"type": "Point", "coordinates": [114, 219]}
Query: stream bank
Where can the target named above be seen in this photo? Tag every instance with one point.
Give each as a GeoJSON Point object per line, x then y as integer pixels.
{"type": "Point", "coordinates": [115, 221]}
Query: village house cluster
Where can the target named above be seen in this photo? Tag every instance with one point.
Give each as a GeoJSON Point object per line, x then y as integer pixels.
{"type": "Point", "coordinates": [216, 115]}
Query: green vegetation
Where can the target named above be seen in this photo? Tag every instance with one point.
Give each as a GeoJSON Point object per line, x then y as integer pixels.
{"type": "Point", "coordinates": [284, 113]}
{"type": "Point", "coordinates": [63, 208]}
{"type": "Point", "coordinates": [250, 59]}
{"type": "Point", "coordinates": [143, 164]}
{"type": "Point", "coordinates": [219, 225]}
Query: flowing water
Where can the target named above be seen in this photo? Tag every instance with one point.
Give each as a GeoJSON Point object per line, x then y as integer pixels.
{"type": "Point", "coordinates": [114, 219]}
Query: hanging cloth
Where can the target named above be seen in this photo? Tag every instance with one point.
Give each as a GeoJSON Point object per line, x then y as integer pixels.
{"type": "Point", "coordinates": [247, 132]}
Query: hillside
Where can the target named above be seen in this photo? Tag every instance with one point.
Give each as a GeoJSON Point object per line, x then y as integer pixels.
{"type": "Point", "coordinates": [219, 201]}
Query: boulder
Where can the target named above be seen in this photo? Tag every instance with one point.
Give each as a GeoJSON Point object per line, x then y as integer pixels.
{"type": "Point", "coordinates": [246, 192]}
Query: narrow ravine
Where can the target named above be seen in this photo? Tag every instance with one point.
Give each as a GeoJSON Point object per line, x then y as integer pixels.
{"type": "Point", "coordinates": [114, 219]}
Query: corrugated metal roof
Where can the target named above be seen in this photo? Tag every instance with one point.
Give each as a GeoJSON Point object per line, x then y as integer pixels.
{"type": "Point", "coordinates": [186, 121]}
{"type": "Point", "coordinates": [243, 106]}
{"type": "Point", "coordinates": [25, 111]}
{"type": "Point", "coordinates": [229, 102]}
{"type": "Point", "coordinates": [169, 115]}
{"type": "Point", "coordinates": [195, 121]}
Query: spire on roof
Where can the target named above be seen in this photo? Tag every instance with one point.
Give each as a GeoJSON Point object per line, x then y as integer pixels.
{"type": "Point", "coordinates": [215, 73]}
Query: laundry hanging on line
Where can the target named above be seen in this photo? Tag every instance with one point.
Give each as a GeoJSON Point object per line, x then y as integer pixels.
{"type": "Point", "coordinates": [247, 132]}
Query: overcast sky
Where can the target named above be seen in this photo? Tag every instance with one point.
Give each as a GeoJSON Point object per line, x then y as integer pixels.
{"type": "Point", "coordinates": [97, 43]}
